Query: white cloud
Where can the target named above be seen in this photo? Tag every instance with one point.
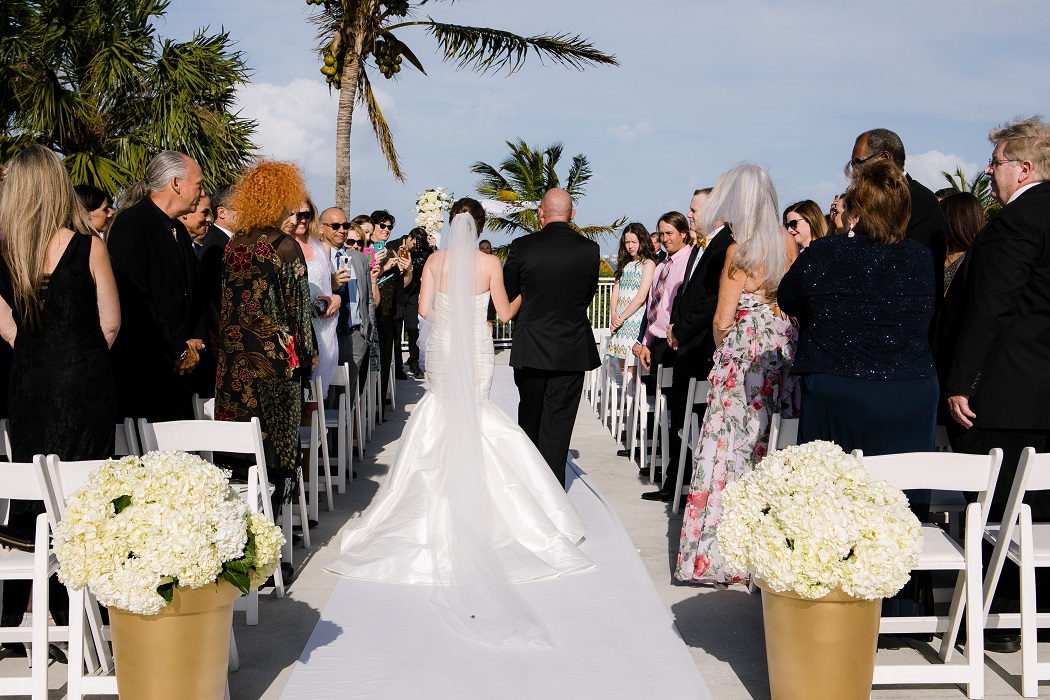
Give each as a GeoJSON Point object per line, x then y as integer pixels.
{"type": "Point", "coordinates": [927, 168]}
{"type": "Point", "coordinates": [490, 107]}
{"type": "Point", "coordinates": [625, 133]}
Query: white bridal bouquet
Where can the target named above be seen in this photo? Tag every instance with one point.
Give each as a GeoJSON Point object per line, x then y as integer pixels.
{"type": "Point", "coordinates": [431, 207]}
{"type": "Point", "coordinates": [810, 519]}
{"type": "Point", "coordinates": [142, 525]}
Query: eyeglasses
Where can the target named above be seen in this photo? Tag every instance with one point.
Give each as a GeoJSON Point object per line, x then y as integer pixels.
{"type": "Point", "coordinates": [336, 226]}
{"type": "Point", "coordinates": [992, 162]}
{"type": "Point", "coordinates": [857, 162]}
{"type": "Point", "coordinates": [303, 216]}
{"type": "Point", "coordinates": [386, 227]}
{"type": "Point", "coordinates": [352, 242]}
{"type": "Point", "coordinates": [792, 225]}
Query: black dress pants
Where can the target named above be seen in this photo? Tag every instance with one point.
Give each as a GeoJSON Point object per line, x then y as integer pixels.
{"type": "Point", "coordinates": [387, 336]}
{"type": "Point", "coordinates": [679, 412]}
{"type": "Point", "coordinates": [412, 332]}
{"type": "Point", "coordinates": [547, 409]}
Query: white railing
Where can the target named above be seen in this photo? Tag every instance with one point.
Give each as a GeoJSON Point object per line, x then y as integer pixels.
{"type": "Point", "coordinates": [598, 313]}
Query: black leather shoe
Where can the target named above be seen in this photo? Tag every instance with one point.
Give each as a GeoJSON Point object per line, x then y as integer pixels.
{"type": "Point", "coordinates": [400, 375]}
{"type": "Point", "coordinates": [889, 641]}
{"type": "Point", "coordinates": [1002, 642]}
{"type": "Point", "coordinates": [627, 453]}
{"type": "Point", "coordinates": [660, 495]}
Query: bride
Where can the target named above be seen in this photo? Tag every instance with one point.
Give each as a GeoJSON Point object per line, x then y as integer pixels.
{"type": "Point", "coordinates": [470, 506]}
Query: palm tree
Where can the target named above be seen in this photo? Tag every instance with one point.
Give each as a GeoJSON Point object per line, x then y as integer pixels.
{"type": "Point", "coordinates": [524, 176]}
{"type": "Point", "coordinates": [980, 187]}
{"type": "Point", "coordinates": [93, 82]}
{"type": "Point", "coordinates": [352, 31]}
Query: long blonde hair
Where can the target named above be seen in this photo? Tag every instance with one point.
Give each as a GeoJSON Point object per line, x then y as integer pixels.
{"type": "Point", "coordinates": [38, 200]}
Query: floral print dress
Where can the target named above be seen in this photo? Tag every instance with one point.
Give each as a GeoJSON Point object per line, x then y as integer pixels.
{"type": "Point", "coordinates": [622, 341]}
{"type": "Point", "coordinates": [750, 381]}
{"type": "Point", "coordinates": [264, 336]}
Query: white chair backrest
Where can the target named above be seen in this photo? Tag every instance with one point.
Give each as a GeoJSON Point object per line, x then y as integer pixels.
{"type": "Point", "coordinates": [24, 481]}
{"type": "Point", "coordinates": [697, 393]}
{"type": "Point", "coordinates": [664, 377]}
{"type": "Point", "coordinates": [203, 409]}
{"type": "Point", "coordinates": [947, 471]}
{"type": "Point", "coordinates": [126, 440]}
{"type": "Point", "coordinates": [63, 479]}
{"type": "Point", "coordinates": [340, 375]}
{"type": "Point", "coordinates": [783, 432]}
{"type": "Point", "coordinates": [5, 439]}
{"type": "Point", "coordinates": [205, 435]}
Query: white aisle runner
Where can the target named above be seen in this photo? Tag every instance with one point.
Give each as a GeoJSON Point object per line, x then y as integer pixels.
{"type": "Point", "coordinates": [615, 638]}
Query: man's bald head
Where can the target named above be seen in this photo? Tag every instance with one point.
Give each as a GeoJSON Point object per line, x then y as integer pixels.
{"type": "Point", "coordinates": [556, 205]}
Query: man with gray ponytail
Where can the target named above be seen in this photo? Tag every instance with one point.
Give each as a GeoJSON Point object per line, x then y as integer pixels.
{"type": "Point", "coordinates": [161, 296]}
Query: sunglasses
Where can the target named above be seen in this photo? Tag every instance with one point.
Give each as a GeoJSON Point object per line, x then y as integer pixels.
{"type": "Point", "coordinates": [335, 227]}
{"type": "Point", "coordinates": [352, 242]}
{"type": "Point", "coordinates": [386, 227]}
{"type": "Point", "coordinates": [303, 216]}
{"type": "Point", "coordinates": [792, 225]}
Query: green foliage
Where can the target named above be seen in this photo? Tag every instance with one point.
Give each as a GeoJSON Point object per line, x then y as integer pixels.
{"type": "Point", "coordinates": [91, 80]}
{"type": "Point", "coordinates": [524, 176]}
{"type": "Point", "coordinates": [357, 36]}
{"type": "Point", "coordinates": [166, 589]}
{"type": "Point", "coordinates": [120, 503]}
{"type": "Point", "coordinates": [980, 187]}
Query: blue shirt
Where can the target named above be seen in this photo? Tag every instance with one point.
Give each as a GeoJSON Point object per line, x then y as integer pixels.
{"type": "Point", "coordinates": [352, 314]}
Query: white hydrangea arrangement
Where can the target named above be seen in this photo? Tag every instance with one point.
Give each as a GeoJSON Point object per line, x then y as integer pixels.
{"type": "Point", "coordinates": [810, 519]}
{"type": "Point", "coordinates": [141, 526]}
{"type": "Point", "coordinates": [431, 207]}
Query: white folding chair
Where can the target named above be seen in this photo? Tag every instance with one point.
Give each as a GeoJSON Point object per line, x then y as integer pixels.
{"type": "Point", "coordinates": [126, 440]}
{"type": "Point", "coordinates": [783, 432]}
{"type": "Point", "coordinates": [696, 395]}
{"type": "Point", "coordinates": [237, 437]}
{"type": "Point", "coordinates": [661, 420]}
{"type": "Point", "coordinates": [962, 472]}
{"type": "Point", "coordinates": [391, 380]}
{"type": "Point", "coordinates": [1027, 545]}
{"type": "Point", "coordinates": [27, 481]}
{"type": "Point", "coordinates": [639, 410]}
{"type": "Point", "coordinates": [314, 438]}
{"type": "Point", "coordinates": [5, 439]}
{"type": "Point", "coordinates": [340, 418]}
{"type": "Point", "coordinates": [593, 378]}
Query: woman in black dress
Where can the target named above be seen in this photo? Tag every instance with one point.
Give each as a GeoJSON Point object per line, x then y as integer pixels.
{"type": "Point", "coordinates": [60, 313]}
{"type": "Point", "coordinates": [864, 302]}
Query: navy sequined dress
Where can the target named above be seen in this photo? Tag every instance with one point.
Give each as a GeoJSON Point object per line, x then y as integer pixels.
{"type": "Point", "coordinates": [864, 310]}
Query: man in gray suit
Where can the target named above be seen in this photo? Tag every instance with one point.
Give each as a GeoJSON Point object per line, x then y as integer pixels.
{"type": "Point", "coordinates": [354, 285]}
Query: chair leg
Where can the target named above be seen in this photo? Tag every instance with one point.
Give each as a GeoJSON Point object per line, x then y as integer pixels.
{"type": "Point", "coordinates": [975, 601]}
{"type": "Point", "coordinates": [304, 517]}
{"type": "Point", "coordinates": [1029, 624]}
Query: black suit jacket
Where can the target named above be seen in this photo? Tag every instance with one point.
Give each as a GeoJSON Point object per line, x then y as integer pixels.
{"type": "Point", "coordinates": [159, 282]}
{"type": "Point", "coordinates": [928, 226]}
{"type": "Point", "coordinates": [693, 308]}
{"type": "Point", "coordinates": [1002, 348]}
{"type": "Point", "coordinates": [555, 270]}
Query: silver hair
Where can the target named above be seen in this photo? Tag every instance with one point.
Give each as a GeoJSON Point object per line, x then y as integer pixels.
{"type": "Point", "coordinates": [744, 198]}
{"type": "Point", "coordinates": [164, 166]}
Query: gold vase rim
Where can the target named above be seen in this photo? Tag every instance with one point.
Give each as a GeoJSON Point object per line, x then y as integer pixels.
{"type": "Point", "coordinates": [187, 601]}
{"type": "Point", "coordinates": [837, 595]}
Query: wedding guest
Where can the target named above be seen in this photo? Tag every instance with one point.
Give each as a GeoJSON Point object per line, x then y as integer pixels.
{"type": "Point", "coordinates": [60, 312]}
{"type": "Point", "coordinates": [301, 225]}
{"type": "Point", "coordinates": [388, 307]}
{"type": "Point", "coordinates": [357, 310]}
{"type": "Point", "coordinates": [405, 248]}
{"type": "Point", "coordinates": [864, 302]}
{"type": "Point", "coordinates": [485, 246]}
{"type": "Point", "coordinates": [420, 251]}
{"type": "Point", "coordinates": [266, 343]}
{"type": "Point", "coordinates": [805, 222]}
{"type": "Point", "coordinates": [362, 224]}
{"type": "Point", "coordinates": [197, 223]}
{"type": "Point", "coordinates": [213, 247]}
{"type": "Point", "coordinates": [657, 241]}
{"type": "Point", "coordinates": [996, 383]}
{"type": "Point", "coordinates": [965, 218]}
{"type": "Point", "coordinates": [836, 225]}
{"type": "Point", "coordinates": [99, 206]}
{"type": "Point", "coordinates": [652, 348]}
{"type": "Point", "coordinates": [944, 193]}
{"type": "Point", "coordinates": [635, 265]}
{"type": "Point", "coordinates": [926, 222]}
{"type": "Point", "coordinates": [750, 378]}
{"type": "Point", "coordinates": [161, 292]}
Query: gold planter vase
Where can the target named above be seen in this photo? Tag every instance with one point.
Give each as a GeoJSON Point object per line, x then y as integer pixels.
{"type": "Point", "coordinates": [181, 652]}
{"type": "Point", "coordinates": [821, 649]}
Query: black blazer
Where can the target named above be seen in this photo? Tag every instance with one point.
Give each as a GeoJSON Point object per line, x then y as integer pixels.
{"type": "Point", "coordinates": [1002, 348]}
{"type": "Point", "coordinates": [693, 308]}
{"type": "Point", "coordinates": [555, 270]}
{"type": "Point", "coordinates": [213, 248]}
{"type": "Point", "coordinates": [928, 226]}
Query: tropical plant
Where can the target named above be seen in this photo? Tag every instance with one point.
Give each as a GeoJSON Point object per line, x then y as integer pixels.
{"type": "Point", "coordinates": [523, 176]}
{"type": "Point", "coordinates": [353, 31]}
{"type": "Point", "coordinates": [93, 82]}
{"type": "Point", "coordinates": [980, 187]}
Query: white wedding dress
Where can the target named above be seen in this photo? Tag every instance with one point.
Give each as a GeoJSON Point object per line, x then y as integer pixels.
{"type": "Point", "coordinates": [470, 506]}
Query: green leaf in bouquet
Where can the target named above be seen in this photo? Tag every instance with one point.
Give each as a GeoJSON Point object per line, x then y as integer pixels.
{"type": "Point", "coordinates": [237, 578]}
{"type": "Point", "coordinates": [121, 503]}
{"type": "Point", "coordinates": [166, 589]}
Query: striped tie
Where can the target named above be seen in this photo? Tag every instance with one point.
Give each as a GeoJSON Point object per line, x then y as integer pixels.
{"type": "Point", "coordinates": [658, 293]}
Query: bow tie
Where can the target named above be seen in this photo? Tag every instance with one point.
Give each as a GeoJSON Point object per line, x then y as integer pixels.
{"type": "Point", "coordinates": [703, 243]}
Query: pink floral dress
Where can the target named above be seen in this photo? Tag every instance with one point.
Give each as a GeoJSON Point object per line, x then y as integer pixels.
{"type": "Point", "coordinates": [750, 381]}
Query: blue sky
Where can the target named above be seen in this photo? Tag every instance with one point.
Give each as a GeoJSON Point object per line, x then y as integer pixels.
{"type": "Point", "coordinates": [701, 86]}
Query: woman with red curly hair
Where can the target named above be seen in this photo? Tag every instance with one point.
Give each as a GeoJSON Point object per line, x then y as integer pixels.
{"type": "Point", "coordinates": [266, 343]}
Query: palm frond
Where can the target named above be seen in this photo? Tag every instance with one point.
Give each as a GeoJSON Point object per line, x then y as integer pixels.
{"type": "Point", "coordinates": [380, 128]}
{"type": "Point", "coordinates": [485, 50]}
{"type": "Point", "coordinates": [579, 174]}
